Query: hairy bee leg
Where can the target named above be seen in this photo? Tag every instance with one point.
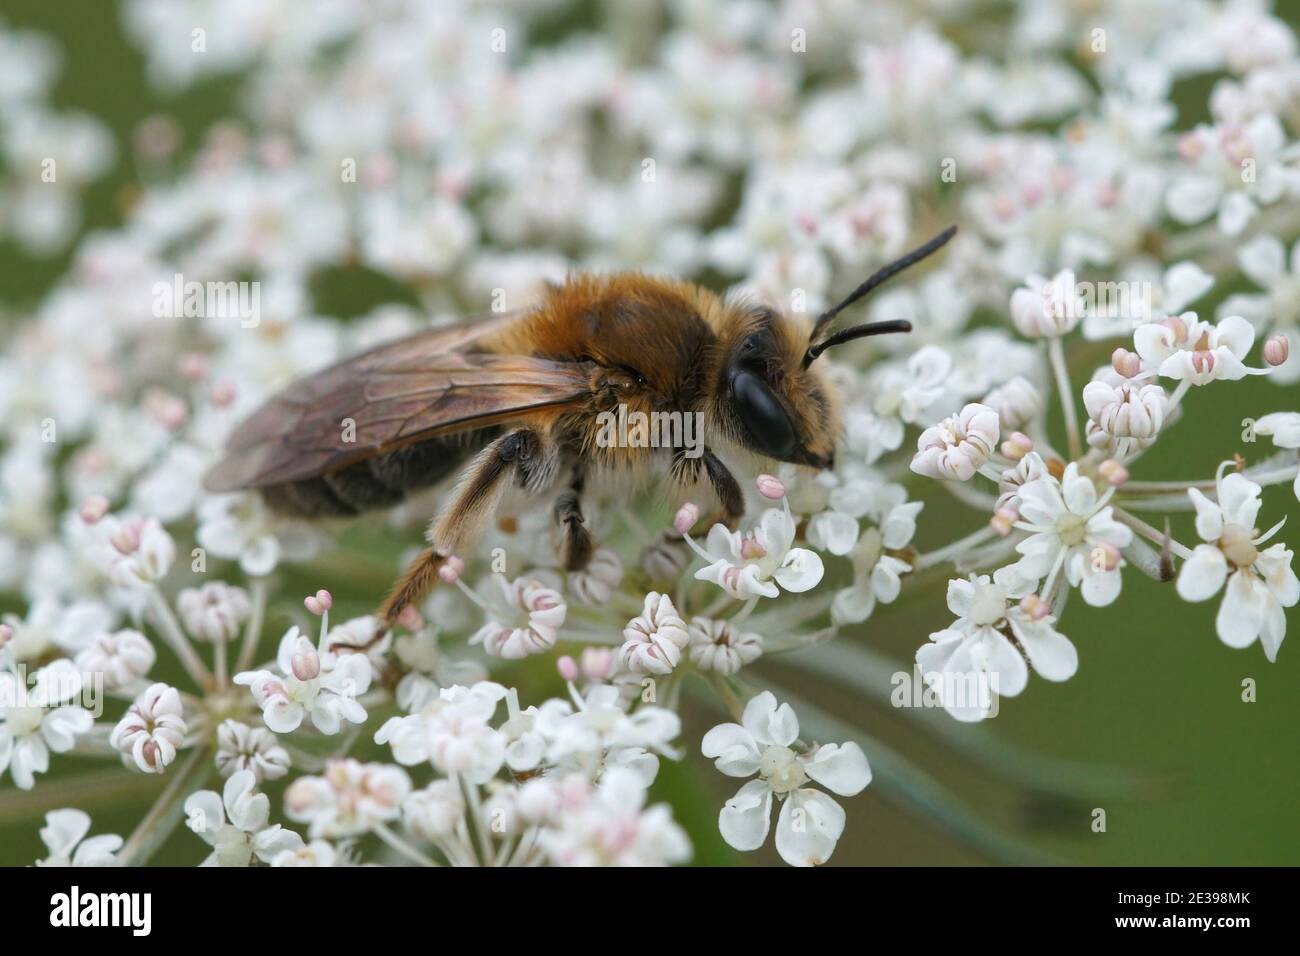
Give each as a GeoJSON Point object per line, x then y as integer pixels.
{"type": "Point", "coordinates": [731, 501]}
{"type": "Point", "coordinates": [526, 455]}
{"type": "Point", "coordinates": [577, 547]}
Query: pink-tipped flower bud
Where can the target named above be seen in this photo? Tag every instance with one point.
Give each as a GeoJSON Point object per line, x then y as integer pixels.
{"type": "Point", "coordinates": [319, 603]}
{"type": "Point", "coordinates": [223, 394]}
{"type": "Point", "coordinates": [1034, 606]}
{"type": "Point", "coordinates": [325, 599]}
{"type": "Point", "coordinates": [451, 569]}
{"type": "Point", "coordinates": [305, 661]}
{"type": "Point", "coordinates": [1112, 472]}
{"type": "Point", "coordinates": [1175, 325]}
{"type": "Point", "coordinates": [193, 367]}
{"type": "Point", "coordinates": [771, 487]}
{"type": "Point", "coordinates": [1277, 350]}
{"type": "Point", "coordinates": [597, 663]}
{"type": "Point", "coordinates": [567, 667]}
{"type": "Point", "coordinates": [1104, 557]}
{"type": "Point", "coordinates": [1017, 446]}
{"type": "Point", "coordinates": [686, 517]}
{"type": "Point", "coordinates": [410, 618]}
{"type": "Point", "coordinates": [93, 508]}
{"type": "Point", "coordinates": [1003, 520]}
{"type": "Point", "coordinates": [126, 539]}
{"type": "Point", "coordinates": [1126, 363]}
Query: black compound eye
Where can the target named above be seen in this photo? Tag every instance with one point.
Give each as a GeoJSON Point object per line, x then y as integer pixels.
{"type": "Point", "coordinates": [768, 425]}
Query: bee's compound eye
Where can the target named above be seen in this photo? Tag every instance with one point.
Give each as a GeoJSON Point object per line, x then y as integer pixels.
{"type": "Point", "coordinates": [768, 425]}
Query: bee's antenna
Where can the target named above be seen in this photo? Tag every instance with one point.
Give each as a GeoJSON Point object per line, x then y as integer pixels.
{"type": "Point", "coordinates": [857, 332]}
{"type": "Point", "coordinates": [877, 278]}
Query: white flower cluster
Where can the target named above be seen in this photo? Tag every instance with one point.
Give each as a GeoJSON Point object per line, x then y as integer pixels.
{"type": "Point", "coordinates": [786, 150]}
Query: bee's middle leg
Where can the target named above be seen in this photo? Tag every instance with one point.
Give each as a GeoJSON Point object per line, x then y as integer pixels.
{"type": "Point", "coordinates": [526, 455]}
{"type": "Point", "coordinates": [577, 546]}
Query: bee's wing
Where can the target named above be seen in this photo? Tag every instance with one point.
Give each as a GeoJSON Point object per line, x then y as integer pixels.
{"type": "Point", "coordinates": [407, 391]}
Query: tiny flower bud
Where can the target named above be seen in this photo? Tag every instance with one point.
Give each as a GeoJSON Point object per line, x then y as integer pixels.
{"type": "Point", "coordinates": [769, 486]}
{"type": "Point", "coordinates": [324, 599]}
{"type": "Point", "coordinates": [1034, 606]}
{"type": "Point", "coordinates": [1003, 521]}
{"type": "Point", "coordinates": [686, 517]}
{"type": "Point", "coordinates": [126, 539]}
{"type": "Point", "coordinates": [597, 663]}
{"type": "Point", "coordinates": [1112, 472]}
{"type": "Point", "coordinates": [567, 667]}
{"type": "Point", "coordinates": [93, 508]}
{"type": "Point", "coordinates": [1126, 363]}
{"type": "Point", "coordinates": [451, 569]}
{"type": "Point", "coordinates": [305, 661]}
{"type": "Point", "coordinates": [1277, 350]}
{"type": "Point", "coordinates": [410, 618]}
{"type": "Point", "coordinates": [1017, 446]}
{"type": "Point", "coordinates": [223, 394]}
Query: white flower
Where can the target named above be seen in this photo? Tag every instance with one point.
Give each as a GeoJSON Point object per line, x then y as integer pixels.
{"type": "Point", "coordinates": [241, 528]}
{"type": "Point", "coordinates": [1264, 259]}
{"type": "Point", "coordinates": [123, 657]}
{"type": "Point", "coordinates": [753, 564]}
{"type": "Point", "coordinates": [959, 445]}
{"type": "Point", "coordinates": [653, 641]}
{"type": "Point", "coordinates": [1047, 308]}
{"type": "Point", "coordinates": [602, 732]}
{"type": "Point", "coordinates": [719, 646]}
{"type": "Point", "coordinates": [525, 619]}
{"type": "Point", "coordinates": [255, 749]}
{"type": "Point", "coordinates": [452, 733]}
{"type": "Point", "coordinates": [319, 684]}
{"type": "Point", "coordinates": [140, 552]}
{"type": "Point", "coordinates": [36, 721]}
{"type": "Point", "coordinates": [1284, 427]}
{"type": "Point", "coordinates": [595, 583]}
{"type": "Point", "coordinates": [609, 825]}
{"type": "Point", "coordinates": [214, 612]}
{"type": "Point", "coordinates": [1187, 349]}
{"type": "Point", "coordinates": [1017, 402]}
{"type": "Point", "coordinates": [348, 799]}
{"type": "Point", "coordinates": [64, 836]}
{"type": "Point", "coordinates": [1072, 529]}
{"type": "Point", "coordinates": [235, 824]}
{"type": "Point", "coordinates": [972, 662]}
{"type": "Point", "coordinates": [434, 812]}
{"type": "Point", "coordinates": [1260, 583]}
{"type": "Point", "coordinates": [315, 853]}
{"type": "Point", "coordinates": [152, 730]}
{"type": "Point", "coordinates": [1124, 408]}
{"type": "Point", "coordinates": [810, 823]}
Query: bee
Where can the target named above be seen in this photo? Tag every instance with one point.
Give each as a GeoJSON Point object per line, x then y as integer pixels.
{"type": "Point", "coordinates": [513, 400]}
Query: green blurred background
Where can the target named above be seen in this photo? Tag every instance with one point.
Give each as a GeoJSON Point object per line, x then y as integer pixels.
{"type": "Point", "coordinates": [1156, 693]}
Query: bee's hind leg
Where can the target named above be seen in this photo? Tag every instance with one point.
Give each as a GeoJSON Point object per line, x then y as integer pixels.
{"type": "Point", "coordinates": [577, 547]}
{"type": "Point", "coordinates": [528, 456]}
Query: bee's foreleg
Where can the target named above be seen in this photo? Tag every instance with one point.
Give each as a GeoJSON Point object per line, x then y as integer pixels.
{"type": "Point", "coordinates": [577, 545]}
{"type": "Point", "coordinates": [525, 455]}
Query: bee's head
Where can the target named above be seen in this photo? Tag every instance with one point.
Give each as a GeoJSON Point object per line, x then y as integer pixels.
{"type": "Point", "coordinates": [772, 398]}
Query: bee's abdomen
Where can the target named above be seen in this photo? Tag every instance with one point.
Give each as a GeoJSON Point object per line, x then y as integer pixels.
{"type": "Point", "coordinates": [378, 482]}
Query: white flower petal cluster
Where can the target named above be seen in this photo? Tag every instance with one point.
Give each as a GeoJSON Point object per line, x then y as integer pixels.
{"type": "Point", "coordinates": [39, 720]}
{"type": "Point", "coordinates": [958, 446]}
{"type": "Point", "coordinates": [311, 683]}
{"type": "Point", "coordinates": [153, 729]}
{"type": "Point", "coordinates": [766, 743]}
{"type": "Point", "coordinates": [761, 562]}
{"type": "Point", "coordinates": [235, 823]}
{"type": "Point", "coordinates": [653, 641]}
{"type": "Point", "coordinates": [1257, 583]}
{"type": "Point", "coordinates": [64, 836]}
{"type": "Point", "coordinates": [524, 618]}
